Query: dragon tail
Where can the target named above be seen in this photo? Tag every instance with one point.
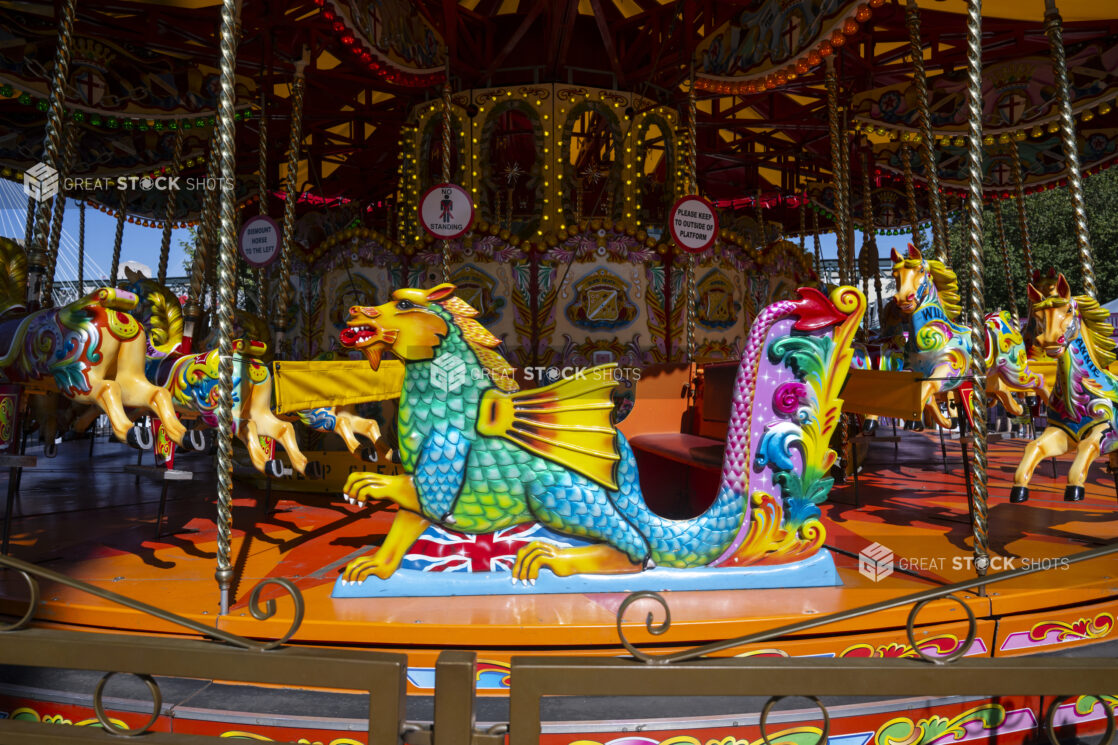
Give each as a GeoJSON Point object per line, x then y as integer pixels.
{"type": "Point", "coordinates": [785, 409]}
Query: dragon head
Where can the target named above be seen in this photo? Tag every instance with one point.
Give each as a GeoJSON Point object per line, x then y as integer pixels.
{"type": "Point", "coordinates": [407, 325]}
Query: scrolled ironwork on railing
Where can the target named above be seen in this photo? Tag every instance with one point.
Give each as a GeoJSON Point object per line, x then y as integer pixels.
{"type": "Point", "coordinates": [107, 723]}
{"type": "Point", "coordinates": [960, 651]}
{"type": "Point", "coordinates": [918, 600]}
{"type": "Point", "coordinates": [1054, 707]}
{"type": "Point", "coordinates": [762, 723]}
{"type": "Point", "coordinates": [31, 571]}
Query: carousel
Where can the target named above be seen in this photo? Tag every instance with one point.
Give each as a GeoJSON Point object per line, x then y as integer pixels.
{"type": "Point", "coordinates": [508, 323]}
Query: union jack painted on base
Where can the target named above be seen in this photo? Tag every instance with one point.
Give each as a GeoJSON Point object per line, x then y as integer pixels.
{"type": "Point", "coordinates": [442, 550]}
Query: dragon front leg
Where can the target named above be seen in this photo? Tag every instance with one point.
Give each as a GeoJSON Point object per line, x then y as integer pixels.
{"type": "Point", "coordinates": [408, 525]}
{"type": "Point", "coordinates": [363, 486]}
{"type": "Point", "coordinates": [406, 528]}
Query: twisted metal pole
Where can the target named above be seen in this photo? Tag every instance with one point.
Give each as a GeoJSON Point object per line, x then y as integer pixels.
{"type": "Point", "coordinates": [1005, 260]}
{"type": "Point", "coordinates": [1053, 26]}
{"type": "Point", "coordinates": [169, 214]}
{"type": "Point", "coordinates": [761, 219]}
{"type": "Point", "coordinates": [447, 123]}
{"type": "Point", "coordinates": [263, 283]}
{"type": "Point", "coordinates": [848, 204]}
{"type": "Point", "coordinates": [977, 287]}
{"type": "Point", "coordinates": [291, 195]}
{"type": "Point", "coordinates": [29, 223]}
{"type": "Point", "coordinates": [118, 242]}
{"type": "Point", "coordinates": [837, 142]}
{"type": "Point", "coordinates": [53, 142]}
{"type": "Point", "coordinates": [693, 178]}
{"type": "Point", "coordinates": [818, 245]}
{"type": "Point", "coordinates": [225, 279]}
{"type": "Point", "coordinates": [1022, 217]}
{"type": "Point", "coordinates": [927, 140]}
{"type": "Point", "coordinates": [81, 248]}
{"type": "Point", "coordinates": [72, 134]}
{"type": "Point", "coordinates": [869, 235]}
{"type": "Point", "coordinates": [195, 299]}
{"type": "Point", "coordinates": [910, 197]}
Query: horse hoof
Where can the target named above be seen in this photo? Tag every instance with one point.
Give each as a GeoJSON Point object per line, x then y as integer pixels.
{"type": "Point", "coordinates": [194, 441]}
{"type": "Point", "coordinates": [369, 455]}
{"type": "Point", "coordinates": [314, 470]}
{"type": "Point", "coordinates": [275, 469]}
{"type": "Point", "coordinates": [1074, 493]}
{"type": "Point", "coordinates": [50, 449]}
{"type": "Point", "coordinates": [1019, 494]}
{"type": "Point", "coordinates": [870, 427]}
{"type": "Point", "coordinates": [140, 437]}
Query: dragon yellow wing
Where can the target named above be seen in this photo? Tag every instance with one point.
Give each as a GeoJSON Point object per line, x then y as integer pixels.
{"type": "Point", "coordinates": [566, 422]}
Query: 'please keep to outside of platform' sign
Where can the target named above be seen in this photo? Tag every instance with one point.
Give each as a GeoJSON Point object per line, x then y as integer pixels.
{"type": "Point", "coordinates": [694, 224]}
{"type": "Point", "coordinates": [259, 241]}
{"type": "Point", "coordinates": [446, 211]}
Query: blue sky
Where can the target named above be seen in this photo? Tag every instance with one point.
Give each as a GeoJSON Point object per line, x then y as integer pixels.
{"type": "Point", "coordinates": [140, 244]}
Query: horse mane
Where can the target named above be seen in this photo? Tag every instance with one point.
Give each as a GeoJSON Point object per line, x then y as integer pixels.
{"type": "Point", "coordinates": [947, 284]}
{"type": "Point", "coordinates": [482, 342]}
{"type": "Point", "coordinates": [13, 275]}
{"type": "Point", "coordinates": [165, 320]}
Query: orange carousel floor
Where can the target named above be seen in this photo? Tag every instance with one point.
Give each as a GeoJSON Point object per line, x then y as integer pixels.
{"type": "Point", "coordinates": [86, 518]}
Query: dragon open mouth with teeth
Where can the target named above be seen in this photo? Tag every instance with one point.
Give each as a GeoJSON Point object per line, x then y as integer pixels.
{"type": "Point", "coordinates": [368, 337]}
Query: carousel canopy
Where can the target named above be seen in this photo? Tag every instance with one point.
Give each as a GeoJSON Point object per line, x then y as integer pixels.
{"type": "Point", "coordinates": [143, 69]}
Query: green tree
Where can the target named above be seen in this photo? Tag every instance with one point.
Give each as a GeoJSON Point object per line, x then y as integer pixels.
{"type": "Point", "coordinates": [247, 289]}
{"type": "Point", "coordinates": [1052, 234]}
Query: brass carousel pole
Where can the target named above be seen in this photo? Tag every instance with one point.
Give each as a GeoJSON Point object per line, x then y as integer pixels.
{"type": "Point", "coordinates": [927, 140]}
{"type": "Point", "coordinates": [1053, 26]}
{"type": "Point", "coordinates": [291, 195]}
{"type": "Point", "coordinates": [977, 286]}
{"type": "Point", "coordinates": [118, 242]}
{"type": "Point", "coordinates": [52, 146]}
{"type": "Point", "coordinates": [818, 244]}
{"type": "Point", "coordinates": [72, 134]}
{"type": "Point", "coordinates": [1022, 218]}
{"type": "Point", "coordinates": [848, 203]}
{"type": "Point", "coordinates": [29, 223]}
{"type": "Point", "coordinates": [837, 142]}
{"type": "Point", "coordinates": [910, 197]}
{"type": "Point", "coordinates": [870, 267]}
{"type": "Point", "coordinates": [760, 217]}
{"type": "Point", "coordinates": [1004, 245]}
{"type": "Point", "coordinates": [225, 280]}
{"type": "Point", "coordinates": [169, 214]}
{"type": "Point", "coordinates": [263, 285]}
{"type": "Point", "coordinates": [693, 178]}
{"type": "Point", "coordinates": [448, 122]}
{"type": "Point", "coordinates": [195, 299]}
{"type": "Point", "coordinates": [81, 248]}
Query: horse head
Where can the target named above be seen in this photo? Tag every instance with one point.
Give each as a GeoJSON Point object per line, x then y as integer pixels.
{"type": "Point", "coordinates": [1055, 317]}
{"type": "Point", "coordinates": [913, 279]}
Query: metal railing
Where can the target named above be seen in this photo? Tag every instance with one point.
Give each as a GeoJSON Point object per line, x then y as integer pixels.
{"type": "Point", "coordinates": [689, 672]}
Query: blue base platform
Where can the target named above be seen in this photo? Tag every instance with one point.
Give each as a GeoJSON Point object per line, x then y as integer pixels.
{"type": "Point", "coordinates": [817, 571]}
